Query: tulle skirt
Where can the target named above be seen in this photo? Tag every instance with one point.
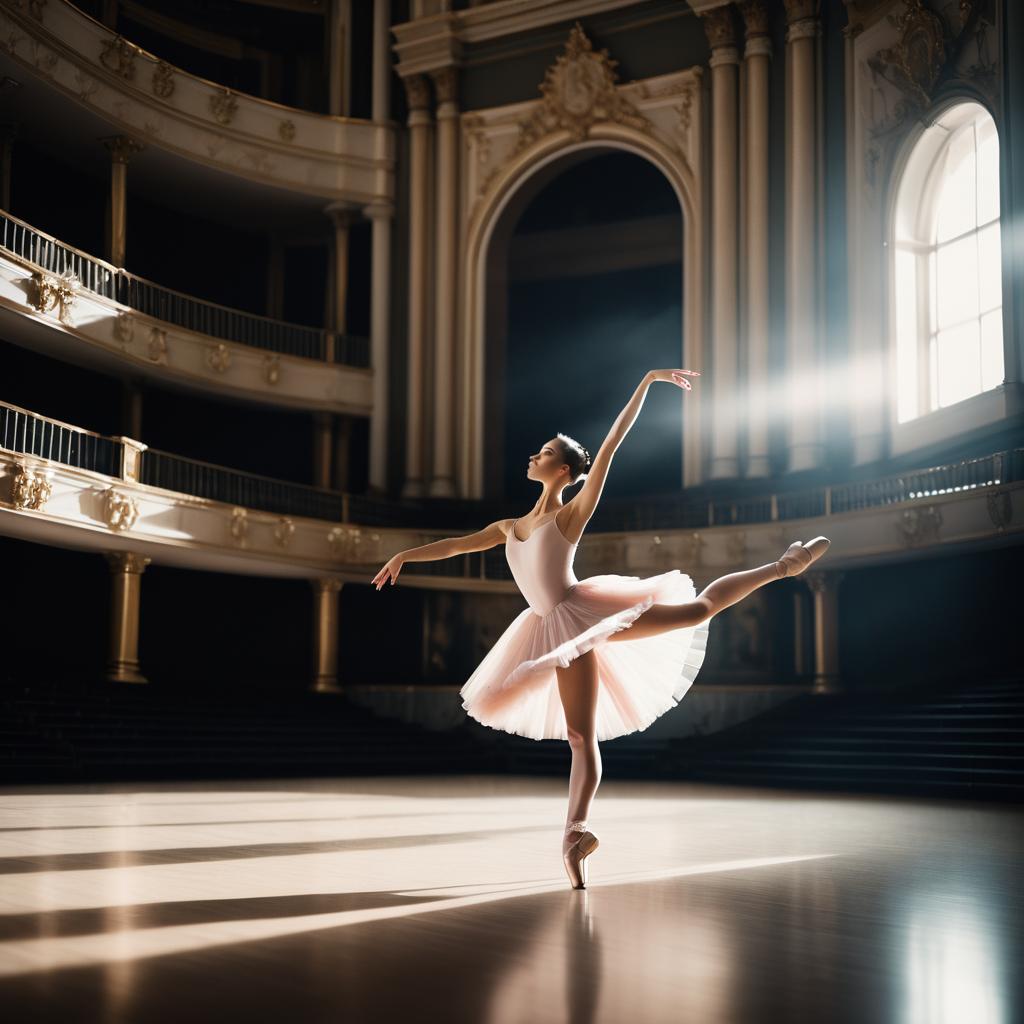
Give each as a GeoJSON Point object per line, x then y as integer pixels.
{"type": "Point", "coordinates": [515, 689]}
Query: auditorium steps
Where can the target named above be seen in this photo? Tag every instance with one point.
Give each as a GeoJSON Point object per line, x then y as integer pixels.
{"type": "Point", "coordinates": [128, 732]}
{"type": "Point", "coordinates": [960, 743]}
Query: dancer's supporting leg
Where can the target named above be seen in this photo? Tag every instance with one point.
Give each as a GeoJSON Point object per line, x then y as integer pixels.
{"type": "Point", "coordinates": [717, 595]}
{"type": "Point", "coordinates": [577, 688]}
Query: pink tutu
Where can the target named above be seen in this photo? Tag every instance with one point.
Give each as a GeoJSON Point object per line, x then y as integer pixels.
{"type": "Point", "coordinates": [515, 689]}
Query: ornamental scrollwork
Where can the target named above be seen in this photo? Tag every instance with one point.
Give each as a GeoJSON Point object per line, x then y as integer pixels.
{"type": "Point", "coordinates": [49, 293]}
{"type": "Point", "coordinates": [239, 524]}
{"type": "Point", "coordinates": [345, 542]}
{"type": "Point", "coordinates": [284, 530]}
{"type": "Point", "coordinates": [157, 348]}
{"type": "Point", "coordinates": [118, 55]}
{"type": "Point", "coordinates": [124, 328]}
{"type": "Point", "coordinates": [286, 130]}
{"type": "Point", "coordinates": [919, 526]}
{"type": "Point", "coordinates": [163, 80]}
{"type": "Point", "coordinates": [272, 368]}
{"type": "Point", "coordinates": [579, 91]}
{"type": "Point", "coordinates": [30, 488]}
{"type": "Point", "coordinates": [119, 510]}
{"type": "Point", "coordinates": [218, 357]}
{"type": "Point", "coordinates": [223, 106]}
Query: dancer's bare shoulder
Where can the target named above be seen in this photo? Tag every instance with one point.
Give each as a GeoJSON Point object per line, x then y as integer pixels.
{"type": "Point", "coordinates": [569, 520]}
{"type": "Point", "coordinates": [489, 537]}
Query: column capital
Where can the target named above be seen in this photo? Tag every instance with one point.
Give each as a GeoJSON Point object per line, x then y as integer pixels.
{"type": "Point", "coordinates": [417, 92]}
{"type": "Point", "coordinates": [820, 581]}
{"type": "Point", "coordinates": [446, 84]}
{"type": "Point", "coordinates": [326, 585]}
{"type": "Point", "coordinates": [720, 27]}
{"type": "Point", "coordinates": [122, 147]}
{"type": "Point", "coordinates": [343, 213]}
{"type": "Point", "coordinates": [127, 561]}
{"type": "Point", "coordinates": [755, 17]}
{"type": "Point", "coordinates": [801, 10]}
{"type": "Point", "coordinates": [379, 210]}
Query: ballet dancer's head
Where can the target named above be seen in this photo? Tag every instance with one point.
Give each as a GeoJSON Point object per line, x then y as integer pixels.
{"type": "Point", "coordinates": [561, 462]}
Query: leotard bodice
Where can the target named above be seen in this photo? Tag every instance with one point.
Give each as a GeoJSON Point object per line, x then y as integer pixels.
{"type": "Point", "coordinates": [542, 565]}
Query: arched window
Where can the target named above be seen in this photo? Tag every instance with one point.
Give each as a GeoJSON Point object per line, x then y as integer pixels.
{"type": "Point", "coordinates": [947, 269]}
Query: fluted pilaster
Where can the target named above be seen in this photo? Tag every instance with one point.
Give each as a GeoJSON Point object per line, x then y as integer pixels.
{"type": "Point", "coordinates": [420, 127]}
{"type": "Point", "coordinates": [442, 483]}
{"type": "Point", "coordinates": [720, 26]}
{"type": "Point", "coordinates": [756, 57]}
{"type": "Point", "coordinates": [804, 348]}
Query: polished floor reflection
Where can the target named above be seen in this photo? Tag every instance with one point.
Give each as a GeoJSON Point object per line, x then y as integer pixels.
{"type": "Point", "coordinates": [397, 899]}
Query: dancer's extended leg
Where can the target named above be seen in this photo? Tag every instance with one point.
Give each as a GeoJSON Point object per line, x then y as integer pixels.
{"type": "Point", "coordinates": [718, 594]}
{"type": "Point", "coordinates": [577, 688]}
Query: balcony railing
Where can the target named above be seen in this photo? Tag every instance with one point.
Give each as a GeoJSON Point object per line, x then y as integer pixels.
{"type": "Point", "coordinates": [192, 314]}
{"type": "Point", "coordinates": [45, 438]}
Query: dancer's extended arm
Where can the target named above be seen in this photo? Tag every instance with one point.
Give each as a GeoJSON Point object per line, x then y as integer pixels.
{"type": "Point", "coordinates": [584, 503]}
{"type": "Point", "coordinates": [489, 537]}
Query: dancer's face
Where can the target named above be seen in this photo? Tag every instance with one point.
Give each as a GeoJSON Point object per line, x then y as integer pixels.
{"type": "Point", "coordinates": [547, 463]}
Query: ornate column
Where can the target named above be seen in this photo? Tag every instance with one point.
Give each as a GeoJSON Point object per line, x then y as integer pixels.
{"type": "Point", "coordinates": [719, 25]}
{"type": "Point", "coordinates": [325, 634]}
{"type": "Point", "coordinates": [381, 214]}
{"type": "Point", "coordinates": [418, 92]}
{"type": "Point", "coordinates": [122, 149]}
{"type": "Point", "coordinates": [824, 587]}
{"type": "Point", "coordinates": [756, 59]}
{"type": "Point", "coordinates": [805, 378]}
{"type": "Point", "coordinates": [442, 483]}
{"type": "Point", "coordinates": [339, 31]}
{"type": "Point", "coordinates": [126, 569]}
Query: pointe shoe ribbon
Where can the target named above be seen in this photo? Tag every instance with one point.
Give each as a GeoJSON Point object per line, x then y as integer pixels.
{"type": "Point", "coordinates": [575, 859]}
{"type": "Point", "coordinates": [799, 556]}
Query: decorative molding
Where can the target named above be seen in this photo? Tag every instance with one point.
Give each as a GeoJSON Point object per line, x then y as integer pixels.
{"type": "Point", "coordinates": [127, 562]}
{"type": "Point", "coordinates": [157, 347]}
{"type": "Point", "coordinates": [417, 92]}
{"type": "Point", "coordinates": [719, 26]}
{"type": "Point", "coordinates": [756, 21]}
{"type": "Point", "coordinates": [48, 293]}
{"type": "Point", "coordinates": [162, 81]}
{"type": "Point", "coordinates": [118, 55]}
{"type": "Point", "coordinates": [1000, 509]}
{"type": "Point", "coordinates": [801, 10]}
{"type": "Point", "coordinates": [223, 106]}
{"type": "Point", "coordinates": [446, 84]}
{"type": "Point", "coordinates": [122, 147]}
{"type": "Point", "coordinates": [119, 510]}
{"type": "Point", "coordinates": [218, 357]}
{"type": "Point", "coordinates": [239, 526]}
{"type": "Point", "coordinates": [284, 530]}
{"type": "Point", "coordinates": [272, 368]}
{"type": "Point", "coordinates": [30, 487]}
{"type": "Point", "coordinates": [914, 64]}
{"type": "Point", "coordinates": [286, 130]}
{"type": "Point", "coordinates": [919, 525]}
{"type": "Point", "coordinates": [124, 328]}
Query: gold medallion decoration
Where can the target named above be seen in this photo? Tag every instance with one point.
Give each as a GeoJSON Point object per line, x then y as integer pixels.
{"type": "Point", "coordinates": [119, 510]}
{"type": "Point", "coordinates": [163, 80]}
{"type": "Point", "coordinates": [30, 488]}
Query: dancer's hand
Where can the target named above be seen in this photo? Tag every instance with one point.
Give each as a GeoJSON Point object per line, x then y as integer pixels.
{"type": "Point", "coordinates": [390, 571]}
{"type": "Point", "coordinates": [677, 377]}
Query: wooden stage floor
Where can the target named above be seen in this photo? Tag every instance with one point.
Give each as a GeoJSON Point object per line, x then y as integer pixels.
{"type": "Point", "coordinates": [405, 899]}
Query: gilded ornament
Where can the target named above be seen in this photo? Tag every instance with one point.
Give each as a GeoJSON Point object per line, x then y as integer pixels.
{"type": "Point", "coordinates": [913, 65]}
{"type": "Point", "coordinates": [239, 524]}
{"type": "Point", "coordinates": [272, 368]}
{"type": "Point", "coordinates": [163, 80]}
{"type": "Point", "coordinates": [30, 488]}
{"type": "Point", "coordinates": [120, 510]}
{"type": "Point", "coordinates": [286, 129]}
{"type": "Point", "coordinates": [284, 530]}
{"type": "Point", "coordinates": [579, 91]}
{"type": "Point", "coordinates": [223, 106]}
{"type": "Point", "coordinates": [218, 357]}
{"type": "Point", "coordinates": [157, 348]}
{"type": "Point", "coordinates": [49, 293]}
{"type": "Point", "coordinates": [118, 55]}
{"type": "Point", "coordinates": [124, 328]}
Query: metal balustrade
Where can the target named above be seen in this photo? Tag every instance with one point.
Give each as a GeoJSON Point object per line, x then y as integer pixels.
{"type": "Point", "coordinates": [165, 304]}
{"type": "Point", "coordinates": [25, 432]}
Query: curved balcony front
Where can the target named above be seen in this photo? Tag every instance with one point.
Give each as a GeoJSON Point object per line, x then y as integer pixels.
{"type": "Point", "coordinates": [139, 94]}
{"type": "Point", "coordinates": [73, 488]}
{"type": "Point", "coordinates": [57, 299]}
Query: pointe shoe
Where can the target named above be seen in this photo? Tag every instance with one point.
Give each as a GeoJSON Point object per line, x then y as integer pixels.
{"type": "Point", "coordinates": [799, 556]}
{"type": "Point", "coordinates": [575, 859]}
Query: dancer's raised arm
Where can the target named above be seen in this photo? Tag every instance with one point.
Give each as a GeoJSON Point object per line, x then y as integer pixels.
{"type": "Point", "coordinates": [490, 536]}
{"type": "Point", "coordinates": [586, 501]}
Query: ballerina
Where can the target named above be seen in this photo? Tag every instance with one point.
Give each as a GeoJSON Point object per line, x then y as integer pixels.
{"type": "Point", "coordinates": [554, 673]}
